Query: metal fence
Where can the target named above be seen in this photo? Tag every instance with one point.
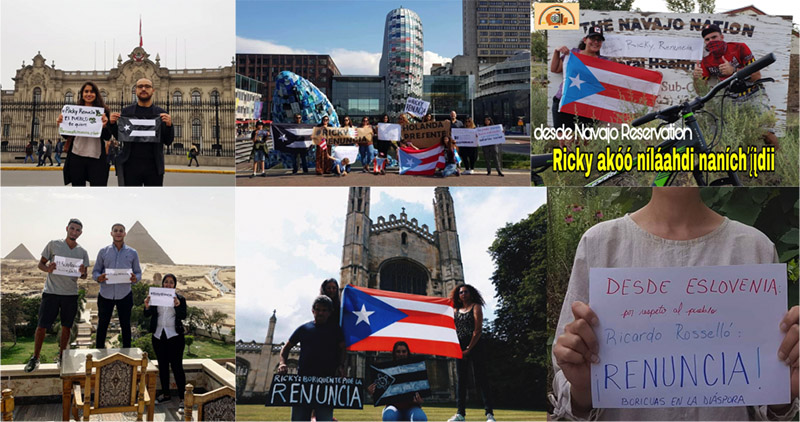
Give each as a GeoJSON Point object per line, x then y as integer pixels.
{"type": "Point", "coordinates": [210, 125]}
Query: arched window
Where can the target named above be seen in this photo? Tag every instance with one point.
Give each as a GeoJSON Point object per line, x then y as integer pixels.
{"type": "Point", "coordinates": [195, 97]}
{"type": "Point", "coordinates": [177, 98]}
{"type": "Point", "coordinates": [405, 276]}
{"type": "Point", "coordinates": [197, 130]}
{"type": "Point", "coordinates": [404, 239]}
{"type": "Point", "coordinates": [37, 95]}
{"type": "Point", "coordinates": [133, 93]}
{"type": "Point", "coordinates": [104, 94]}
{"type": "Point", "coordinates": [36, 127]}
{"type": "Point", "coordinates": [69, 98]}
{"type": "Point", "coordinates": [214, 97]}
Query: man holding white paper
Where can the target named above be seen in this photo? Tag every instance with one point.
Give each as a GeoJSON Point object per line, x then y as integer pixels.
{"type": "Point", "coordinates": [674, 229]}
{"type": "Point", "coordinates": [63, 261]}
{"type": "Point", "coordinates": [142, 163]}
{"type": "Point", "coordinates": [116, 268]}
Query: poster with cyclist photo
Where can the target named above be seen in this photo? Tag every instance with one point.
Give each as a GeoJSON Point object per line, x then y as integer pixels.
{"type": "Point", "coordinates": [622, 76]}
{"type": "Point", "coordinates": [645, 288]}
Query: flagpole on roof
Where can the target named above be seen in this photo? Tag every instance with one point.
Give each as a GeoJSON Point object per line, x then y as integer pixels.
{"type": "Point", "coordinates": [140, 31]}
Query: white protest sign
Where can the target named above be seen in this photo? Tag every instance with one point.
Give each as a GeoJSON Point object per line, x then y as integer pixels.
{"type": "Point", "coordinates": [161, 296]}
{"type": "Point", "coordinates": [689, 336]}
{"type": "Point", "coordinates": [464, 137]}
{"type": "Point", "coordinates": [67, 266]}
{"type": "Point", "coordinates": [490, 135]}
{"type": "Point", "coordinates": [340, 152]}
{"type": "Point", "coordinates": [685, 48]}
{"type": "Point", "coordinates": [389, 132]}
{"type": "Point", "coordinates": [118, 276]}
{"type": "Point", "coordinates": [416, 107]}
{"type": "Point", "coordinates": [81, 121]}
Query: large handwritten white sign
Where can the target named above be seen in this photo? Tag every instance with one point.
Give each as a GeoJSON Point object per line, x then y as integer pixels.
{"type": "Point", "coordinates": [490, 135]}
{"type": "Point", "coordinates": [161, 296]}
{"type": "Point", "coordinates": [416, 107]}
{"type": "Point", "coordinates": [687, 48]}
{"type": "Point", "coordinates": [689, 336]}
{"type": "Point", "coordinates": [464, 137]}
{"type": "Point", "coordinates": [389, 132]}
{"type": "Point", "coordinates": [81, 121]}
{"type": "Point", "coordinates": [67, 266]}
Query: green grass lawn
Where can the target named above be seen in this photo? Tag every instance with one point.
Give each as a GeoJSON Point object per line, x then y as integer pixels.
{"type": "Point", "coordinates": [254, 412]}
{"type": "Point", "coordinates": [22, 351]}
{"type": "Point", "coordinates": [208, 348]}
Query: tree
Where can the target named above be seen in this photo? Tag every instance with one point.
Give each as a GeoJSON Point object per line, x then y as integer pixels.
{"type": "Point", "coordinates": [680, 6]}
{"type": "Point", "coordinates": [519, 253]}
{"type": "Point", "coordinates": [606, 4]}
{"type": "Point", "coordinates": [12, 305]}
{"type": "Point", "coordinates": [539, 45]}
{"type": "Point", "coordinates": [216, 320]}
{"type": "Point", "coordinates": [195, 317]}
{"type": "Point", "coordinates": [706, 6]}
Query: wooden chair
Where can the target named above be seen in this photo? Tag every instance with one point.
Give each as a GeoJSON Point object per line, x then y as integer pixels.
{"type": "Point", "coordinates": [217, 405]}
{"type": "Point", "coordinates": [118, 383]}
{"type": "Point", "coordinates": [7, 405]}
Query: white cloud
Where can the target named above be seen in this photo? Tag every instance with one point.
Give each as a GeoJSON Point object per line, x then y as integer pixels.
{"type": "Point", "coordinates": [358, 62]}
{"type": "Point", "coordinates": [249, 45]}
{"type": "Point", "coordinates": [430, 58]}
{"type": "Point", "coordinates": [421, 195]}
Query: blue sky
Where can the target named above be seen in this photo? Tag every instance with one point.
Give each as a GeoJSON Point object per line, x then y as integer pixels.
{"type": "Point", "coordinates": [289, 240]}
{"type": "Point", "coordinates": [350, 31]}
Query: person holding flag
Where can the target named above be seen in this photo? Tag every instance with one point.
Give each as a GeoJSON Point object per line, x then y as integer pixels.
{"type": "Point", "coordinates": [323, 160]}
{"type": "Point", "coordinates": [590, 45]}
{"type": "Point", "coordinates": [468, 304]}
{"type": "Point", "coordinates": [141, 161]}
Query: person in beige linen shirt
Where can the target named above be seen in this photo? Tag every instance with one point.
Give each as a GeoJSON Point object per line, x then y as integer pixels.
{"type": "Point", "coordinates": [674, 229]}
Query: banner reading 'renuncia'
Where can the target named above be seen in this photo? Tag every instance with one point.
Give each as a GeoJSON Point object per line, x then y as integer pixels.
{"type": "Point", "coordinates": [139, 130]}
{"type": "Point", "coordinates": [672, 43]}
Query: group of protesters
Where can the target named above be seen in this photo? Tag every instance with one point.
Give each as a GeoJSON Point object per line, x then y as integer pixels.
{"type": "Point", "coordinates": [323, 353]}
{"type": "Point", "coordinates": [376, 155]}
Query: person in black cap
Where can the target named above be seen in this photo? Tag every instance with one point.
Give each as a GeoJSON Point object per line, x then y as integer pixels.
{"type": "Point", "coordinates": [590, 45]}
{"type": "Point", "coordinates": [722, 61]}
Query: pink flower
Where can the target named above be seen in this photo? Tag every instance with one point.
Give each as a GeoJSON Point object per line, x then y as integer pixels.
{"type": "Point", "coordinates": [569, 219]}
{"type": "Point", "coordinates": [576, 208]}
{"type": "Point", "coordinates": [598, 215]}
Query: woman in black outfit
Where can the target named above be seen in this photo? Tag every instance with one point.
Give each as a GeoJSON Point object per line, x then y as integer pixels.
{"type": "Point", "coordinates": [166, 324]}
{"type": "Point", "coordinates": [86, 157]}
{"type": "Point", "coordinates": [330, 288]}
{"type": "Point", "coordinates": [468, 305]}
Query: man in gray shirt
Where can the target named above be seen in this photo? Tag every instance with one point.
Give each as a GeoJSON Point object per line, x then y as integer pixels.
{"type": "Point", "coordinates": [118, 257]}
{"type": "Point", "coordinates": [60, 294]}
{"type": "Point", "coordinates": [454, 122]}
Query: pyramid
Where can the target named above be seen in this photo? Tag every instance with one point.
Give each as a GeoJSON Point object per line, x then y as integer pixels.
{"type": "Point", "coordinates": [20, 252]}
{"type": "Point", "coordinates": [149, 250]}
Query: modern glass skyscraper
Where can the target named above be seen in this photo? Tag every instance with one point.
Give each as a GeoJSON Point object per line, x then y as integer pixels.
{"type": "Point", "coordinates": [402, 58]}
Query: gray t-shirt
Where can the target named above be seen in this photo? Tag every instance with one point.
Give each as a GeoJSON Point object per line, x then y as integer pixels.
{"type": "Point", "coordinates": [621, 243]}
{"type": "Point", "coordinates": [61, 284]}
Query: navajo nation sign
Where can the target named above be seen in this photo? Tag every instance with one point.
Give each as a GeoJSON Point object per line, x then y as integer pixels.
{"type": "Point", "coordinates": [671, 44]}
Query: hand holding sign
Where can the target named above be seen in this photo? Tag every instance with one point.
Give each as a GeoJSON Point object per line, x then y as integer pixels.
{"type": "Point", "coordinates": [160, 296]}
{"type": "Point", "coordinates": [72, 267]}
{"type": "Point", "coordinates": [81, 121]}
{"type": "Point", "coordinates": [118, 276]}
{"type": "Point", "coordinates": [575, 351]}
{"type": "Point", "coordinates": [788, 352]}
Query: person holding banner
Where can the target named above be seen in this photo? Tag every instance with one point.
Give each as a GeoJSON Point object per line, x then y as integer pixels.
{"type": "Point", "coordinates": [86, 157]}
{"type": "Point", "coordinates": [330, 288]}
{"type": "Point", "coordinates": [365, 149]}
{"type": "Point", "coordinates": [63, 261]}
{"type": "Point", "coordinates": [674, 228]}
{"type": "Point", "coordinates": [166, 324]}
{"type": "Point", "coordinates": [427, 117]}
{"type": "Point", "coordinates": [111, 269]}
{"type": "Point", "coordinates": [323, 158]}
{"type": "Point", "coordinates": [454, 122]}
{"type": "Point", "coordinates": [141, 161]}
{"type": "Point", "coordinates": [492, 152]}
{"type": "Point", "coordinates": [468, 305]}
{"type": "Point", "coordinates": [322, 353]}
{"type": "Point", "coordinates": [407, 411]}
{"type": "Point", "coordinates": [383, 145]}
{"type": "Point", "coordinates": [590, 45]}
{"type": "Point", "coordinates": [450, 154]}
{"type": "Point", "coordinates": [470, 154]}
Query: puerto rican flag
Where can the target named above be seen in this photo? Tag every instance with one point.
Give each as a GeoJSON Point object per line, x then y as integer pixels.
{"type": "Point", "coordinates": [376, 319]}
{"type": "Point", "coordinates": [606, 90]}
{"type": "Point", "coordinates": [422, 162]}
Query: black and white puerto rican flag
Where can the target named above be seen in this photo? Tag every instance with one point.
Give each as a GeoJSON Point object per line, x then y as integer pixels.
{"type": "Point", "coordinates": [131, 129]}
{"type": "Point", "coordinates": [399, 381]}
{"type": "Point", "coordinates": [288, 136]}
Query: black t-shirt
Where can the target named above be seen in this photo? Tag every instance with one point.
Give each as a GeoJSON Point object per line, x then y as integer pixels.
{"type": "Point", "coordinates": [319, 348]}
